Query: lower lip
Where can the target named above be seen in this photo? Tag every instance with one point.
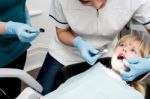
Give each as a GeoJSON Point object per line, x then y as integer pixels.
{"type": "Point", "coordinates": [121, 64]}
{"type": "Point", "coordinates": [124, 67]}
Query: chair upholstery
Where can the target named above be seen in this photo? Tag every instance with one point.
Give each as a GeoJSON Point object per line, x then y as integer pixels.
{"type": "Point", "coordinates": [74, 69]}
{"type": "Point", "coordinates": [29, 93]}
{"type": "Point", "coordinates": [147, 96]}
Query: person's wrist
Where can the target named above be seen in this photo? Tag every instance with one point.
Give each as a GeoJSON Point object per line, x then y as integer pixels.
{"type": "Point", "coordinates": [77, 41]}
{"type": "Point", "coordinates": [148, 56]}
{"type": "Point", "coordinates": [2, 28]}
{"type": "Point", "coordinates": [9, 27]}
{"type": "Point", "coordinates": [149, 62]}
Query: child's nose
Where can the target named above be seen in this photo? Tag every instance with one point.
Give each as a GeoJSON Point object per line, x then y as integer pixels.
{"type": "Point", "coordinates": [124, 49]}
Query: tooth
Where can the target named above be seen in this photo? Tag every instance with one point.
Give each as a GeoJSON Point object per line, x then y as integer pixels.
{"type": "Point", "coordinates": [125, 62]}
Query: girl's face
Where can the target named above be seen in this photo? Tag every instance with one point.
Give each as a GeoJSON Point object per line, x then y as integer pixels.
{"type": "Point", "coordinates": [98, 4]}
{"type": "Point", "coordinates": [124, 50]}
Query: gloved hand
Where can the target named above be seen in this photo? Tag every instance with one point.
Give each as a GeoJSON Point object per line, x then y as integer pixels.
{"type": "Point", "coordinates": [88, 53]}
{"type": "Point", "coordinates": [24, 32]}
{"type": "Point", "coordinates": [137, 67]}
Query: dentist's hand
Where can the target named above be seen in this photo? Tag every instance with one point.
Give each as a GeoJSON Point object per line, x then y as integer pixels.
{"type": "Point", "coordinates": [24, 32]}
{"type": "Point", "coordinates": [88, 53]}
{"type": "Point", "coordinates": [137, 67]}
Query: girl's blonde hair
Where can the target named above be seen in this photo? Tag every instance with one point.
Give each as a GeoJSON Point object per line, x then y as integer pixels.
{"type": "Point", "coordinates": [136, 41]}
{"type": "Point", "coordinates": [144, 47]}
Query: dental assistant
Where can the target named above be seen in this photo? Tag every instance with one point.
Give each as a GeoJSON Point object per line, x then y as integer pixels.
{"type": "Point", "coordinates": [14, 41]}
{"type": "Point", "coordinates": [85, 26]}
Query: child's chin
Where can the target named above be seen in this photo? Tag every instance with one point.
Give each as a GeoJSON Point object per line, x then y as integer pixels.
{"type": "Point", "coordinates": [118, 68]}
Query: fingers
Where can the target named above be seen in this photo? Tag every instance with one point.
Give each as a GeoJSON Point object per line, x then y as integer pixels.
{"type": "Point", "coordinates": [93, 60]}
{"type": "Point", "coordinates": [125, 62]}
{"type": "Point", "coordinates": [94, 57]}
{"type": "Point", "coordinates": [29, 29]}
{"type": "Point", "coordinates": [28, 34]}
{"type": "Point", "coordinates": [134, 61]}
{"type": "Point", "coordinates": [91, 55]}
{"type": "Point", "coordinates": [131, 63]}
{"type": "Point", "coordinates": [30, 37]}
{"type": "Point", "coordinates": [93, 50]}
{"type": "Point", "coordinates": [90, 59]}
{"type": "Point", "coordinates": [127, 76]}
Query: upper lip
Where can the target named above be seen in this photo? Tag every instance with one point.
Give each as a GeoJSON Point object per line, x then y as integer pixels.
{"type": "Point", "coordinates": [121, 56]}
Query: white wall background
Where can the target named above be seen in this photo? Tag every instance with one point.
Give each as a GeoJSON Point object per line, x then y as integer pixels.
{"type": "Point", "coordinates": [39, 11]}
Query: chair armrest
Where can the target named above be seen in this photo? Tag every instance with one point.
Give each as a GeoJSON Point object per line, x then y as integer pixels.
{"type": "Point", "coordinates": [22, 75]}
{"type": "Point", "coordinates": [29, 93]}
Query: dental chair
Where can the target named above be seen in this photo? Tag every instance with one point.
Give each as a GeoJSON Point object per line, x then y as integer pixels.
{"type": "Point", "coordinates": [34, 89]}
{"type": "Point", "coordinates": [75, 69]}
{"type": "Point", "coordinates": [148, 90]}
{"type": "Point", "coordinates": [31, 92]}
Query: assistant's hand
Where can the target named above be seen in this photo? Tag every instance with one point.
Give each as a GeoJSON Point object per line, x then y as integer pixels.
{"type": "Point", "coordinates": [24, 32]}
{"type": "Point", "coordinates": [137, 67]}
{"type": "Point", "coordinates": [89, 54]}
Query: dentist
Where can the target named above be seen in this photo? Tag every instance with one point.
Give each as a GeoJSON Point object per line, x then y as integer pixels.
{"type": "Point", "coordinates": [15, 35]}
{"type": "Point", "coordinates": [85, 26]}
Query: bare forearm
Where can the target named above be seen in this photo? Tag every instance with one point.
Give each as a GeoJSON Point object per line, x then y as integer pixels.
{"type": "Point", "coordinates": [2, 27]}
{"type": "Point", "coordinates": [65, 36]}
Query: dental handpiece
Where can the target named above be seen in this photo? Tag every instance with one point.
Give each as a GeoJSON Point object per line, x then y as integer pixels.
{"type": "Point", "coordinates": [125, 62]}
{"type": "Point", "coordinates": [40, 30]}
{"type": "Point", "coordinates": [127, 69]}
{"type": "Point", "coordinates": [101, 52]}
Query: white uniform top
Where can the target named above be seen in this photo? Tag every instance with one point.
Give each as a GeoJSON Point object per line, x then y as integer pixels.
{"type": "Point", "coordinates": [98, 82]}
{"type": "Point", "coordinates": [98, 28]}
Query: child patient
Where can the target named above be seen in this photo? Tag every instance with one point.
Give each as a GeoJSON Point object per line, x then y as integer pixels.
{"type": "Point", "coordinates": [99, 82]}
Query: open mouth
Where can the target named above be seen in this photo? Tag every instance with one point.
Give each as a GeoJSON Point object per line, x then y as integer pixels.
{"type": "Point", "coordinates": [121, 57]}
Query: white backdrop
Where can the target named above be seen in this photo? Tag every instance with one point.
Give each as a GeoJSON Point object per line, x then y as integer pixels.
{"type": "Point", "coordinates": [39, 12]}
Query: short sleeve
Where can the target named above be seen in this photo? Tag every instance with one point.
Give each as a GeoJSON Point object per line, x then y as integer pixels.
{"type": "Point", "coordinates": [142, 15]}
{"type": "Point", "coordinates": [56, 14]}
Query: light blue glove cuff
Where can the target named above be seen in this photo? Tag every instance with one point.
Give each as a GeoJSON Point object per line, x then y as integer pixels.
{"type": "Point", "coordinates": [77, 41]}
{"type": "Point", "coordinates": [148, 57]}
{"type": "Point", "coordinates": [9, 27]}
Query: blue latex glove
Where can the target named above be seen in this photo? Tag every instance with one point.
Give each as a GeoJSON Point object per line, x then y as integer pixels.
{"type": "Point", "coordinates": [137, 67]}
{"type": "Point", "coordinates": [88, 53]}
{"type": "Point", "coordinates": [24, 32]}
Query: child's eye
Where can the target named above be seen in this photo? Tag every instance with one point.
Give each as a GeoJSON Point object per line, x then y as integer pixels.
{"type": "Point", "coordinates": [121, 44]}
{"type": "Point", "coordinates": [84, 2]}
{"type": "Point", "coordinates": [133, 50]}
